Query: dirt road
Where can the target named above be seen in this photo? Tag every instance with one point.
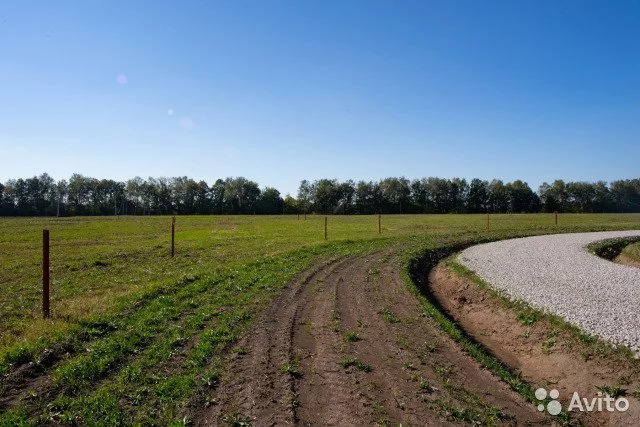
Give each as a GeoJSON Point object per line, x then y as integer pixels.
{"type": "Point", "coordinates": [348, 344]}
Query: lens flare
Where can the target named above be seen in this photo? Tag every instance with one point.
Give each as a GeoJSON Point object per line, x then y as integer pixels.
{"type": "Point", "coordinates": [187, 123]}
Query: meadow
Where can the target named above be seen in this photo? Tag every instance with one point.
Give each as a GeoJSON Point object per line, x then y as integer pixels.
{"type": "Point", "coordinates": [134, 334]}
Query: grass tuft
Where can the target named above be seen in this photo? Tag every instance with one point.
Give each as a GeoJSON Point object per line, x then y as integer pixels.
{"type": "Point", "coordinates": [352, 336]}
{"type": "Point", "coordinates": [355, 362]}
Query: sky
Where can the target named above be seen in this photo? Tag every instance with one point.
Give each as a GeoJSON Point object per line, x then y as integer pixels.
{"type": "Point", "coordinates": [279, 91]}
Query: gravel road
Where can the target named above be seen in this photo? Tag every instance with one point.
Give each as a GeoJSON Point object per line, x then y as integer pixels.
{"type": "Point", "coordinates": [557, 274]}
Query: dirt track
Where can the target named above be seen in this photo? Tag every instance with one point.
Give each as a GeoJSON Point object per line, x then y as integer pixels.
{"type": "Point", "coordinates": [289, 368]}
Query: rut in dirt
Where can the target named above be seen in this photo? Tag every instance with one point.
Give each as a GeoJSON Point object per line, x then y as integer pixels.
{"type": "Point", "coordinates": [348, 344]}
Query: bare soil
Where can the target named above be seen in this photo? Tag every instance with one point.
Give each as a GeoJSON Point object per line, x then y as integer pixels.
{"type": "Point", "coordinates": [348, 344]}
{"type": "Point", "coordinates": [543, 356]}
{"type": "Point", "coordinates": [623, 259]}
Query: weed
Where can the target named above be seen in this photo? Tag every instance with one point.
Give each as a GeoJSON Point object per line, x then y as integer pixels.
{"type": "Point", "coordinates": [389, 316]}
{"type": "Point", "coordinates": [240, 351]}
{"type": "Point", "coordinates": [346, 363]}
{"type": "Point", "coordinates": [402, 341]}
{"type": "Point", "coordinates": [236, 420]}
{"type": "Point", "coordinates": [380, 414]}
{"type": "Point", "coordinates": [293, 399]}
{"type": "Point", "coordinates": [426, 386]}
{"type": "Point", "coordinates": [408, 366]}
{"type": "Point", "coordinates": [527, 318]}
{"type": "Point", "coordinates": [352, 336]}
{"type": "Point", "coordinates": [292, 368]}
{"type": "Point", "coordinates": [443, 370]}
{"type": "Point", "coordinates": [210, 379]}
{"type": "Point", "coordinates": [374, 271]}
{"type": "Point", "coordinates": [613, 391]}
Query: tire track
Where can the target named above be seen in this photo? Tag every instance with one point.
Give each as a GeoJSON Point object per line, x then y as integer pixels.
{"type": "Point", "coordinates": [347, 315]}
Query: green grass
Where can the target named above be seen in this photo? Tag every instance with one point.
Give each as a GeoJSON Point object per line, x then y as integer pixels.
{"type": "Point", "coordinates": [389, 316]}
{"type": "Point", "coordinates": [135, 334]}
{"type": "Point", "coordinates": [613, 391]}
{"type": "Point", "coordinates": [632, 251]}
{"type": "Point", "coordinates": [611, 248]}
{"type": "Point", "coordinates": [352, 336]}
{"type": "Point", "coordinates": [357, 363]}
{"type": "Point", "coordinates": [291, 368]}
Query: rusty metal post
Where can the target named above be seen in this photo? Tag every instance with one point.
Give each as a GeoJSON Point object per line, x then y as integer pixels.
{"type": "Point", "coordinates": [556, 212]}
{"type": "Point", "coordinates": [379, 225]}
{"type": "Point", "coordinates": [487, 222]}
{"type": "Point", "coordinates": [45, 273]}
{"type": "Point", "coordinates": [325, 228]}
{"type": "Point", "coordinates": [173, 236]}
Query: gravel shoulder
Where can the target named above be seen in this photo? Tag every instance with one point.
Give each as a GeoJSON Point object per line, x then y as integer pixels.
{"type": "Point", "coordinates": [557, 274]}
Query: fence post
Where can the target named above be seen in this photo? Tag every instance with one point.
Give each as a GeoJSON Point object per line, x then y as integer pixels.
{"type": "Point", "coordinates": [45, 273]}
{"type": "Point", "coordinates": [173, 236]}
{"type": "Point", "coordinates": [556, 212]}
{"type": "Point", "coordinates": [325, 228]}
{"type": "Point", "coordinates": [379, 226]}
{"type": "Point", "coordinates": [487, 222]}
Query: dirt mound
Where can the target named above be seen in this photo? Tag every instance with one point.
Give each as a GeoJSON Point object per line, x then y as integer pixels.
{"type": "Point", "coordinates": [543, 354]}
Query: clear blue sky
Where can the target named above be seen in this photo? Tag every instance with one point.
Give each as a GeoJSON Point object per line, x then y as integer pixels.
{"type": "Point", "coordinates": [278, 91]}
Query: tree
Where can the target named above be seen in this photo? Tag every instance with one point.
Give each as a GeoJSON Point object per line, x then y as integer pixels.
{"type": "Point", "coordinates": [346, 194]}
{"type": "Point", "coordinates": [498, 197]}
{"type": "Point", "coordinates": [367, 197]}
{"type": "Point", "coordinates": [395, 192]}
{"type": "Point", "coordinates": [305, 196]}
{"type": "Point", "coordinates": [521, 197]}
{"type": "Point", "coordinates": [240, 195]}
{"type": "Point", "coordinates": [291, 205]}
{"type": "Point", "coordinates": [82, 195]}
{"type": "Point", "coordinates": [478, 196]}
{"type": "Point", "coordinates": [458, 190]}
{"type": "Point", "coordinates": [437, 190]}
{"type": "Point", "coordinates": [325, 194]}
{"type": "Point", "coordinates": [135, 193]}
{"type": "Point", "coordinates": [580, 196]}
{"type": "Point", "coordinates": [217, 197]}
{"type": "Point", "coordinates": [270, 202]}
{"type": "Point", "coordinates": [626, 195]}
{"type": "Point", "coordinates": [602, 198]}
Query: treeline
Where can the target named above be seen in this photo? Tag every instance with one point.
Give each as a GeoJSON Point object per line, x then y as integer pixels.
{"type": "Point", "coordinates": [80, 195]}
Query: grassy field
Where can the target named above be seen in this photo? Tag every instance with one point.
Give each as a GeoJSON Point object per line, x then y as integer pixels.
{"type": "Point", "coordinates": [129, 320]}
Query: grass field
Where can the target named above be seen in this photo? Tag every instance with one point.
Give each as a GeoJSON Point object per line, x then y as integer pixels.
{"type": "Point", "coordinates": [129, 320]}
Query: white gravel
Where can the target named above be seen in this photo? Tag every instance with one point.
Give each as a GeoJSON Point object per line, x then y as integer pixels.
{"type": "Point", "coordinates": [557, 274]}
